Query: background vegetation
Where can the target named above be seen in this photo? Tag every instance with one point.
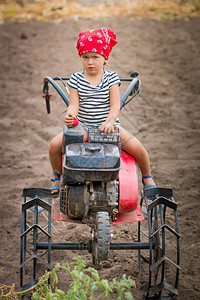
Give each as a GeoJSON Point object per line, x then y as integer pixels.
{"type": "Point", "coordinates": [41, 10]}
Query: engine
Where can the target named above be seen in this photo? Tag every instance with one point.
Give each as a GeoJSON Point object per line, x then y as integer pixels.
{"type": "Point", "coordinates": [90, 174]}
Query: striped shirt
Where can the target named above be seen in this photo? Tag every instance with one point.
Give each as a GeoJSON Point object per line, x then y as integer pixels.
{"type": "Point", "coordinates": [94, 101]}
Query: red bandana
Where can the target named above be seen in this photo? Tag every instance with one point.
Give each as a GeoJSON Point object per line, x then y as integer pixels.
{"type": "Point", "coordinates": [96, 40]}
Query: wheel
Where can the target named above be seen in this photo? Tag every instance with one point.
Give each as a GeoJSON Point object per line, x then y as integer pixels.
{"type": "Point", "coordinates": [156, 253]}
{"type": "Point", "coordinates": [101, 238]}
{"type": "Point", "coordinates": [163, 243]}
{"type": "Point", "coordinates": [36, 209]}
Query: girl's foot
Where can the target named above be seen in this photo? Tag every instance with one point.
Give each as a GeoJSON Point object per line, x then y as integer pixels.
{"type": "Point", "coordinates": [148, 182]}
{"type": "Point", "coordinates": [55, 188]}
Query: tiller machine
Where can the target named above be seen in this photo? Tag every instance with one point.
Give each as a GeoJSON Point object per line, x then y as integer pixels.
{"type": "Point", "coordinates": [99, 187]}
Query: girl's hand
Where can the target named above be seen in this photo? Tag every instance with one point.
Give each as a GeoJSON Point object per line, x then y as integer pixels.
{"type": "Point", "coordinates": [69, 120]}
{"type": "Point", "coordinates": [106, 127]}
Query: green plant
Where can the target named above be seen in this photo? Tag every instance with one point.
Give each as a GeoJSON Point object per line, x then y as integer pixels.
{"type": "Point", "coordinates": [10, 12]}
{"type": "Point", "coordinates": [86, 284]}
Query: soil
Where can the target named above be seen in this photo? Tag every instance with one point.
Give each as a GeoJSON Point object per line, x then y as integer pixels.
{"type": "Point", "coordinates": [164, 117]}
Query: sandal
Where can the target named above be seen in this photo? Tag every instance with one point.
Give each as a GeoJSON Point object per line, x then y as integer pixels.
{"type": "Point", "coordinates": [55, 187]}
{"type": "Point", "coordinates": [148, 186]}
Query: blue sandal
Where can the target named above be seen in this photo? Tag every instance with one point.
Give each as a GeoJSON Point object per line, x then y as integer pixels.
{"type": "Point", "coordinates": [55, 187]}
{"type": "Point", "coordinates": [148, 186]}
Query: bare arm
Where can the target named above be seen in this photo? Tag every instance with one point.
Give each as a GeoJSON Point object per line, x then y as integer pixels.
{"type": "Point", "coordinates": [73, 108]}
{"type": "Point", "coordinates": [107, 126]}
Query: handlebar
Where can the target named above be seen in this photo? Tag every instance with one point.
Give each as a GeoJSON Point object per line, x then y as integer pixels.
{"type": "Point", "coordinates": [132, 90]}
{"type": "Point", "coordinates": [58, 89]}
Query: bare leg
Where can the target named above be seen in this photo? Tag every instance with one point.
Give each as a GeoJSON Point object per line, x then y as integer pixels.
{"type": "Point", "coordinates": [55, 156]}
{"type": "Point", "coordinates": [55, 152]}
{"type": "Point", "coordinates": [131, 145]}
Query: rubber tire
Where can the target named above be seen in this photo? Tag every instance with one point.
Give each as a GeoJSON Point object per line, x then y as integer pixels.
{"type": "Point", "coordinates": [101, 240]}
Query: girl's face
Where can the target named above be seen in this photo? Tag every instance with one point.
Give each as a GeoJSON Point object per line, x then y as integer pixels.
{"type": "Point", "coordinates": [92, 62]}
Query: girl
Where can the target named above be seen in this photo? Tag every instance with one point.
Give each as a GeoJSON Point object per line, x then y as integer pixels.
{"type": "Point", "coordinates": [95, 100]}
